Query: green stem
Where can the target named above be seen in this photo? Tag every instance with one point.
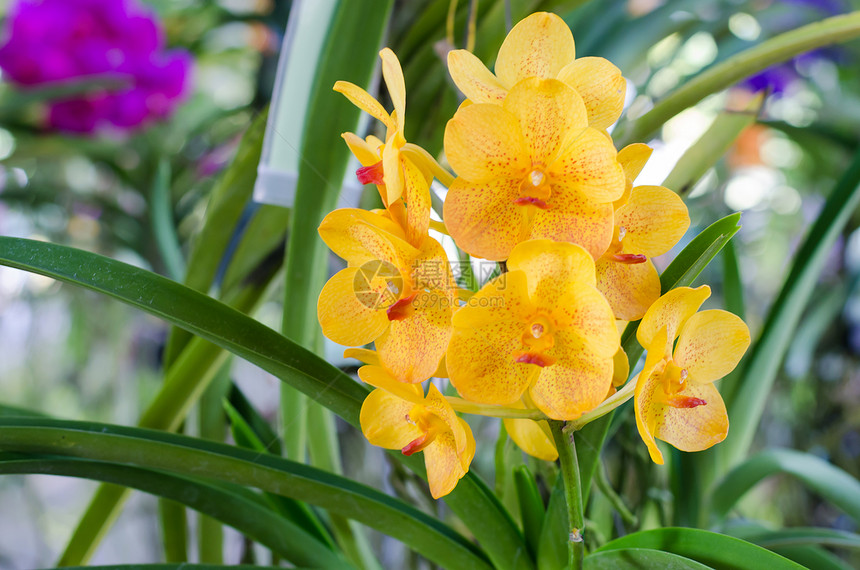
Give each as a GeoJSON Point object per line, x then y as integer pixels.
{"type": "Point", "coordinates": [604, 408]}
{"type": "Point", "coordinates": [602, 482]}
{"type": "Point", "coordinates": [775, 50]}
{"type": "Point", "coordinates": [572, 493]}
{"type": "Point", "coordinates": [466, 407]}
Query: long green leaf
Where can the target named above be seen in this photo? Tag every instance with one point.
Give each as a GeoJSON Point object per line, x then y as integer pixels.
{"type": "Point", "coordinates": [804, 536]}
{"type": "Point", "coordinates": [829, 481]}
{"type": "Point", "coordinates": [639, 559]}
{"type": "Point", "coordinates": [775, 50]}
{"type": "Point", "coordinates": [221, 502]}
{"type": "Point", "coordinates": [746, 393]}
{"type": "Point", "coordinates": [194, 457]}
{"type": "Point", "coordinates": [161, 219]}
{"type": "Point", "coordinates": [472, 501]}
{"type": "Point", "coordinates": [179, 566]}
{"type": "Point", "coordinates": [710, 548]}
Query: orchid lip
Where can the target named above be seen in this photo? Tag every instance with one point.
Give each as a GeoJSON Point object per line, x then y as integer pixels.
{"type": "Point", "coordinates": [370, 174]}
{"type": "Point", "coordinates": [529, 201]}
{"type": "Point", "coordinates": [629, 258]}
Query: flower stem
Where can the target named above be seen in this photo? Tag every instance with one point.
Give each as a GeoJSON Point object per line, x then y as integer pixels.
{"type": "Point", "coordinates": [461, 405]}
{"type": "Point", "coordinates": [604, 408]}
{"type": "Point", "coordinates": [572, 493]}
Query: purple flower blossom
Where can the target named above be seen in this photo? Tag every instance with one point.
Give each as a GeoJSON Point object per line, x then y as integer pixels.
{"type": "Point", "coordinates": [55, 40]}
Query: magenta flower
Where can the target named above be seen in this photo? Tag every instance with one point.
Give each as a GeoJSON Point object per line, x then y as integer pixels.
{"type": "Point", "coordinates": [54, 40]}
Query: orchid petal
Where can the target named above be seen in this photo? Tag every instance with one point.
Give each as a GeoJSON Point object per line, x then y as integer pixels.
{"type": "Point", "coordinates": [630, 288]}
{"type": "Point", "coordinates": [484, 142]}
{"type": "Point", "coordinates": [711, 344]}
{"type": "Point", "coordinates": [473, 78]}
{"type": "Point", "coordinates": [654, 220]}
{"type": "Point", "coordinates": [383, 420]}
{"type": "Point", "coordinates": [553, 268]}
{"type": "Point", "coordinates": [671, 311]}
{"type": "Point", "coordinates": [602, 87]}
{"type": "Point", "coordinates": [532, 437]}
{"type": "Point", "coordinates": [364, 101]}
{"type": "Point", "coordinates": [695, 428]}
{"type": "Point", "coordinates": [573, 218]}
{"type": "Point", "coordinates": [538, 46]}
{"type": "Point", "coordinates": [349, 317]}
{"type": "Point", "coordinates": [589, 166]}
{"type": "Point", "coordinates": [393, 75]}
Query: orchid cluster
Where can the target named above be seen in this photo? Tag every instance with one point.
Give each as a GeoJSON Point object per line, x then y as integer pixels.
{"type": "Point", "coordinates": [52, 41]}
{"type": "Point", "coordinates": [540, 189]}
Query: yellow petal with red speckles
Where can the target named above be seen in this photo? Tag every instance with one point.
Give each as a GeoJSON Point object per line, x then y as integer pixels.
{"type": "Point", "coordinates": [503, 299]}
{"type": "Point", "coordinates": [711, 344]}
{"type": "Point", "coordinates": [538, 46]}
{"type": "Point", "coordinates": [575, 219]}
{"type": "Point", "coordinates": [366, 153]}
{"type": "Point", "coordinates": [436, 403]}
{"type": "Point", "coordinates": [411, 347]}
{"type": "Point", "coordinates": [671, 311]}
{"type": "Point", "coordinates": [484, 219]}
{"type": "Point", "coordinates": [584, 311]}
{"type": "Point", "coordinates": [576, 383]}
{"type": "Point", "coordinates": [532, 437]}
{"type": "Point", "coordinates": [483, 142]}
{"type": "Point", "coordinates": [417, 190]}
{"type": "Point", "coordinates": [647, 381]}
{"type": "Point", "coordinates": [550, 114]}
{"type": "Point", "coordinates": [629, 288]}
{"type": "Point", "coordinates": [633, 158]}
{"type": "Point", "coordinates": [473, 78]}
{"type": "Point", "coordinates": [445, 466]}
{"type": "Point", "coordinates": [359, 236]}
{"type": "Point", "coordinates": [393, 75]}
{"type": "Point", "coordinates": [383, 420]}
{"type": "Point", "coordinates": [364, 101]}
{"type": "Point", "coordinates": [379, 377]}
{"type": "Point", "coordinates": [694, 428]}
{"type": "Point", "coordinates": [349, 317]}
{"type": "Point", "coordinates": [589, 166]}
{"type": "Point", "coordinates": [654, 220]}
{"type": "Point", "coordinates": [602, 88]}
{"type": "Point", "coordinates": [553, 268]}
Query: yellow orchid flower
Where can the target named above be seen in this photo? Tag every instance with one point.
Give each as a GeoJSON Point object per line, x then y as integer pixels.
{"type": "Point", "coordinates": [675, 398]}
{"type": "Point", "coordinates": [541, 45]}
{"type": "Point", "coordinates": [533, 437]}
{"type": "Point", "coordinates": [541, 327]}
{"type": "Point", "coordinates": [384, 164]}
{"type": "Point", "coordinates": [393, 293]}
{"type": "Point", "coordinates": [530, 168]}
{"type": "Point", "coordinates": [399, 416]}
{"type": "Point", "coordinates": [649, 221]}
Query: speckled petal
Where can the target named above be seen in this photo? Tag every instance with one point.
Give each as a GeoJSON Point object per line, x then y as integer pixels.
{"type": "Point", "coordinates": [629, 288]}
{"type": "Point", "coordinates": [654, 220]}
{"type": "Point", "coordinates": [392, 170]}
{"type": "Point", "coordinates": [553, 268]}
{"type": "Point", "coordinates": [445, 466]}
{"type": "Point", "coordinates": [602, 88]}
{"type": "Point", "coordinates": [671, 311]}
{"type": "Point", "coordinates": [532, 437]}
{"type": "Point", "coordinates": [692, 429]}
{"type": "Point", "coordinates": [576, 383]}
{"type": "Point", "coordinates": [364, 355]}
{"type": "Point", "coordinates": [383, 420]}
{"type": "Point", "coordinates": [436, 403]}
{"type": "Point", "coordinates": [588, 166]}
{"type": "Point", "coordinates": [359, 236]}
{"type": "Point", "coordinates": [364, 101]}
{"type": "Point", "coordinates": [417, 202]}
{"type": "Point", "coordinates": [538, 46]}
{"type": "Point", "coordinates": [551, 115]}
{"type": "Point", "coordinates": [483, 142]}
{"type": "Point", "coordinates": [412, 347]}
{"type": "Point", "coordinates": [647, 381]}
{"type": "Point", "coordinates": [484, 219]}
{"type": "Point", "coordinates": [585, 312]}
{"type": "Point", "coordinates": [347, 317]}
{"type": "Point", "coordinates": [473, 78]}
{"type": "Point", "coordinates": [711, 344]}
{"type": "Point", "coordinates": [577, 220]}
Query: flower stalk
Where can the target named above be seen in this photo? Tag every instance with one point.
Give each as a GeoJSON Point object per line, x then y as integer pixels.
{"type": "Point", "coordinates": [572, 493]}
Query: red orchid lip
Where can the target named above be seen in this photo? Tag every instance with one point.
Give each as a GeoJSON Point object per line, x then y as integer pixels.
{"type": "Point", "coordinates": [401, 309]}
{"type": "Point", "coordinates": [541, 360]}
{"type": "Point", "coordinates": [529, 201]}
{"type": "Point", "coordinates": [685, 402]}
{"type": "Point", "coordinates": [370, 174]}
{"type": "Point", "coordinates": [629, 258]}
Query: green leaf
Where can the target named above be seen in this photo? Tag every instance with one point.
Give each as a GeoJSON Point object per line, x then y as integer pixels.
{"type": "Point", "coordinates": [733, 286]}
{"type": "Point", "coordinates": [179, 566]}
{"type": "Point", "coordinates": [161, 218]}
{"type": "Point", "coordinates": [746, 393]}
{"type": "Point", "coordinates": [472, 501]}
{"type": "Point", "coordinates": [552, 550]}
{"type": "Point", "coordinates": [802, 536]}
{"type": "Point", "coordinates": [531, 506]}
{"type": "Point", "coordinates": [710, 548]}
{"type": "Point", "coordinates": [262, 239]}
{"type": "Point", "coordinates": [227, 503]}
{"type": "Point", "coordinates": [231, 193]}
{"type": "Point", "coordinates": [639, 559]}
{"type": "Point", "coordinates": [775, 50]}
{"type": "Point", "coordinates": [827, 480]}
{"type": "Point", "coordinates": [188, 456]}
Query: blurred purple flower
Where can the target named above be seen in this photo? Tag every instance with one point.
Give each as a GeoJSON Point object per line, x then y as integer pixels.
{"type": "Point", "coordinates": [54, 40]}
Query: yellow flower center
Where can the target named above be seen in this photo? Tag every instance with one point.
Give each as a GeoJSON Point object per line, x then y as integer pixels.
{"type": "Point", "coordinates": [674, 381]}
{"type": "Point", "coordinates": [535, 190]}
{"type": "Point", "coordinates": [429, 423]}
